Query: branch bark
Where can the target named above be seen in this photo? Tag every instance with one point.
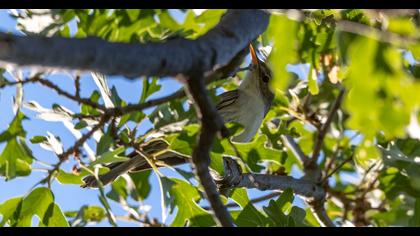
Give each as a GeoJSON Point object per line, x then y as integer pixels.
{"type": "Point", "coordinates": [234, 178]}
{"type": "Point", "coordinates": [179, 56]}
{"type": "Point", "coordinates": [290, 143]}
{"type": "Point", "coordinates": [324, 129]}
{"type": "Point", "coordinates": [211, 124]}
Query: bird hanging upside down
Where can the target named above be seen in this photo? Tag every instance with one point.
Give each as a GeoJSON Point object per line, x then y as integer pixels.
{"type": "Point", "coordinates": [246, 105]}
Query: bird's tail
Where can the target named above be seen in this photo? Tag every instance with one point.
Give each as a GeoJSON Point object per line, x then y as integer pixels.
{"type": "Point", "coordinates": [138, 163]}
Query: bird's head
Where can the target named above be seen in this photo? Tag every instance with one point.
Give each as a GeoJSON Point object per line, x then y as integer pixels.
{"type": "Point", "coordinates": [259, 70]}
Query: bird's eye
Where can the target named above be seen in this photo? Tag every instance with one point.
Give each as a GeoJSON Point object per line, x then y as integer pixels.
{"type": "Point", "coordinates": [265, 78]}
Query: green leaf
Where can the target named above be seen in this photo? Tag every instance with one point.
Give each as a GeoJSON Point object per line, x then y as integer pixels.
{"type": "Point", "coordinates": [184, 141]}
{"type": "Point", "coordinates": [167, 21]}
{"type": "Point", "coordinates": [276, 215]}
{"type": "Point", "coordinates": [9, 210]}
{"type": "Point", "coordinates": [93, 214]}
{"type": "Point", "coordinates": [404, 26]}
{"type": "Point", "coordinates": [118, 190]}
{"type": "Point", "coordinates": [65, 31]}
{"type": "Point", "coordinates": [166, 201]}
{"type": "Point", "coordinates": [69, 178]}
{"type": "Point", "coordinates": [169, 113]}
{"type": "Point", "coordinates": [40, 202]}
{"type": "Point", "coordinates": [185, 196]}
{"type": "Point", "coordinates": [393, 183]}
{"type": "Point", "coordinates": [286, 197]}
{"type": "Point", "coordinates": [104, 144]}
{"type": "Point", "coordinates": [240, 196]}
{"type": "Point", "coordinates": [400, 165]}
{"type": "Point", "coordinates": [415, 220]}
{"type": "Point", "coordinates": [142, 184]}
{"type": "Point", "coordinates": [110, 157]}
{"type": "Point", "coordinates": [149, 88]}
{"type": "Point", "coordinates": [283, 32]}
{"type": "Point", "coordinates": [276, 211]}
{"type": "Point", "coordinates": [208, 19]}
{"type": "Point", "coordinates": [15, 160]}
{"type": "Point", "coordinates": [252, 152]}
{"type": "Point", "coordinates": [54, 217]}
{"type": "Point", "coordinates": [133, 14]}
{"type": "Point", "coordinates": [312, 81]}
{"type": "Point", "coordinates": [38, 139]}
{"type": "Point", "coordinates": [310, 218]}
{"type": "Point", "coordinates": [415, 50]}
{"type": "Point", "coordinates": [15, 128]}
{"type": "Point", "coordinates": [250, 217]}
{"type": "Point", "coordinates": [80, 125]}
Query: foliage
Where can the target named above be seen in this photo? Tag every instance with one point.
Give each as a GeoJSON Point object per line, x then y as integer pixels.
{"type": "Point", "coordinates": [374, 136]}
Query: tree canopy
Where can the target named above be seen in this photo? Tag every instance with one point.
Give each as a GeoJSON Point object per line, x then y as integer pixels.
{"type": "Point", "coordinates": [339, 146]}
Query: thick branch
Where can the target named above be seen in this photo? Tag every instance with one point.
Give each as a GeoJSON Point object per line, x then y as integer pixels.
{"type": "Point", "coordinates": [234, 178]}
{"type": "Point", "coordinates": [179, 56]}
{"type": "Point", "coordinates": [313, 193]}
{"type": "Point", "coordinates": [221, 73]}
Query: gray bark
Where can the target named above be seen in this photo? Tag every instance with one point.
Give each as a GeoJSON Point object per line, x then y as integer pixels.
{"type": "Point", "coordinates": [178, 56]}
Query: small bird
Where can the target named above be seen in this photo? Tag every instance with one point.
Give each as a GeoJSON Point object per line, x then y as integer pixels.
{"type": "Point", "coordinates": [247, 105]}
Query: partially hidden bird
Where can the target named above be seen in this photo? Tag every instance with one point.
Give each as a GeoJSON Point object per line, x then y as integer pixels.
{"type": "Point", "coordinates": [247, 105]}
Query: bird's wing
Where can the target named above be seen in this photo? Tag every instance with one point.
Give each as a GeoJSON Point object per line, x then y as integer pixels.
{"type": "Point", "coordinates": [227, 98]}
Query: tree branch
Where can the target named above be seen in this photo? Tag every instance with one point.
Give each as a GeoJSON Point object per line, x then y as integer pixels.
{"type": "Point", "coordinates": [211, 124]}
{"type": "Point", "coordinates": [64, 93]}
{"type": "Point", "coordinates": [221, 73]}
{"type": "Point", "coordinates": [290, 143]}
{"type": "Point", "coordinates": [312, 192]}
{"type": "Point", "coordinates": [179, 56]}
{"type": "Point", "coordinates": [234, 178]}
{"type": "Point", "coordinates": [319, 211]}
{"type": "Point", "coordinates": [324, 129]}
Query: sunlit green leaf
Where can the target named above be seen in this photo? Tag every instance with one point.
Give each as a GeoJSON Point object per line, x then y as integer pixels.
{"type": "Point", "coordinates": [69, 178]}
{"type": "Point", "coordinates": [40, 202]}
{"type": "Point", "coordinates": [110, 157]}
{"type": "Point", "coordinates": [184, 197]}
{"type": "Point", "coordinates": [283, 32]}
{"type": "Point", "coordinates": [9, 210]}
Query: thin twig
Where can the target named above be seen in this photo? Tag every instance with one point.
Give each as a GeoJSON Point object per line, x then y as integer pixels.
{"type": "Point", "coordinates": [337, 168]}
{"type": "Point", "coordinates": [119, 111]}
{"type": "Point", "coordinates": [64, 156]}
{"type": "Point", "coordinates": [290, 143]}
{"type": "Point", "coordinates": [77, 85]}
{"type": "Point", "coordinates": [13, 83]}
{"type": "Point", "coordinates": [57, 89]}
{"type": "Point", "coordinates": [83, 139]}
{"type": "Point", "coordinates": [325, 127]}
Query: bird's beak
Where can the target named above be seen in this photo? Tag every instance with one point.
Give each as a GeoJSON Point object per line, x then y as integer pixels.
{"type": "Point", "coordinates": [254, 57]}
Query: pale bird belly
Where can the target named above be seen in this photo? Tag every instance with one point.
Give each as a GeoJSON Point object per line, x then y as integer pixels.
{"type": "Point", "coordinates": [249, 113]}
